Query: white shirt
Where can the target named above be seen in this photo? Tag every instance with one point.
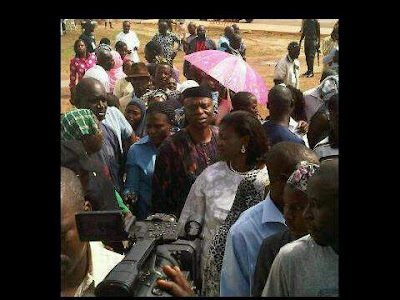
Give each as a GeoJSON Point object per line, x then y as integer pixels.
{"type": "Point", "coordinates": [117, 121]}
{"type": "Point", "coordinates": [101, 262]}
{"type": "Point", "coordinates": [288, 70]}
{"type": "Point", "coordinates": [97, 72]}
{"type": "Point", "coordinates": [211, 196]}
{"type": "Point", "coordinates": [122, 88]}
{"type": "Point", "coordinates": [132, 41]}
{"type": "Point", "coordinates": [303, 268]}
{"type": "Point", "coordinates": [323, 149]}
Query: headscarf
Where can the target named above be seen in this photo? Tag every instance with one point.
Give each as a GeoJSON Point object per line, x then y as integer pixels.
{"type": "Point", "coordinates": [139, 131]}
{"type": "Point", "coordinates": [78, 123]}
{"type": "Point", "coordinates": [300, 176]}
{"type": "Point", "coordinates": [154, 93]}
{"type": "Point", "coordinates": [116, 73]}
{"type": "Point", "coordinates": [251, 191]}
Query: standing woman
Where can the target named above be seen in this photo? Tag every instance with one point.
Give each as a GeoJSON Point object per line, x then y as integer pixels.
{"type": "Point", "coordinates": [82, 61]}
{"type": "Point", "coordinates": [135, 113]}
{"type": "Point", "coordinates": [242, 146]}
{"type": "Point", "coordinates": [160, 118]}
{"type": "Point", "coordinates": [116, 72]}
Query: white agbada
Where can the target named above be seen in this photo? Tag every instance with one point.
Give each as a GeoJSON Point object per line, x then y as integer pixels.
{"type": "Point", "coordinates": [211, 196]}
{"type": "Point", "coordinates": [98, 72]}
{"type": "Point", "coordinates": [132, 41]}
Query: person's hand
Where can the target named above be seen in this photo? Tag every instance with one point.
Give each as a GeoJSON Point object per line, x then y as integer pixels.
{"type": "Point", "coordinates": [179, 286]}
{"type": "Point", "coordinates": [130, 198]}
{"type": "Point", "coordinates": [128, 215]}
{"type": "Point", "coordinates": [302, 127]}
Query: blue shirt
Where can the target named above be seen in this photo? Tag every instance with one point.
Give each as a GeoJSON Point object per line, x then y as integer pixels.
{"type": "Point", "coordinates": [139, 173]}
{"type": "Point", "coordinates": [116, 120]}
{"type": "Point", "coordinates": [277, 133]}
{"type": "Point", "coordinates": [243, 242]}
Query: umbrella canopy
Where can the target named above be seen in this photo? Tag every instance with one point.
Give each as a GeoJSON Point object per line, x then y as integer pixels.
{"type": "Point", "coordinates": [231, 71]}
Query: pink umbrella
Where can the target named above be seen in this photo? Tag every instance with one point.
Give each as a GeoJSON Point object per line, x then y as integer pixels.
{"type": "Point", "coordinates": [231, 71]}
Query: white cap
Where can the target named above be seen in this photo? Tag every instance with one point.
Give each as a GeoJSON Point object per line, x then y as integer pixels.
{"type": "Point", "coordinates": [186, 84]}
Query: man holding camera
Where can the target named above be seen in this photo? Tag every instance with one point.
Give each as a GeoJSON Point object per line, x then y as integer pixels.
{"type": "Point", "coordinates": [83, 265]}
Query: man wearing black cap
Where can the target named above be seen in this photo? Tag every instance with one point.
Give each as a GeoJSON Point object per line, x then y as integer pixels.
{"type": "Point", "coordinates": [184, 155]}
{"type": "Point", "coordinates": [87, 36]}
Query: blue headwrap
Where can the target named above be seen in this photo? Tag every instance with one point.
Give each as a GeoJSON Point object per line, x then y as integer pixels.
{"type": "Point", "coordinates": [142, 106]}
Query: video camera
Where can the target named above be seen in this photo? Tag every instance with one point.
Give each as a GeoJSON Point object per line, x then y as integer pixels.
{"type": "Point", "coordinates": [155, 242]}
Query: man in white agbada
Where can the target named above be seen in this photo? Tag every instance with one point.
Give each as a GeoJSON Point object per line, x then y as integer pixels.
{"type": "Point", "coordinates": [105, 63]}
{"type": "Point", "coordinates": [287, 70]}
{"type": "Point", "coordinates": [130, 38]}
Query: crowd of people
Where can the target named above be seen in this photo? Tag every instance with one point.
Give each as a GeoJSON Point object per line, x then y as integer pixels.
{"type": "Point", "coordinates": [140, 140]}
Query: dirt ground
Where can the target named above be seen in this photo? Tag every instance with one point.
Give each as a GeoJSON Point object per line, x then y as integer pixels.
{"type": "Point", "coordinates": [264, 49]}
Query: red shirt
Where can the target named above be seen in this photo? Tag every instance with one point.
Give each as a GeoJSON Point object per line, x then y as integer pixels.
{"type": "Point", "coordinates": [200, 46]}
{"type": "Point", "coordinates": [78, 66]}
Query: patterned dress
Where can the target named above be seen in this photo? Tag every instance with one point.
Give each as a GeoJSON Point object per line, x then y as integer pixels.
{"type": "Point", "coordinates": [167, 43]}
{"type": "Point", "coordinates": [78, 66]}
{"type": "Point", "coordinates": [251, 190]}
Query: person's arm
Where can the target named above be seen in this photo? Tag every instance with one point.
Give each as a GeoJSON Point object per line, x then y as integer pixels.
{"type": "Point", "coordinates": [121, 203]}
{"type": "Point", "coordinates": [213, 46]}
{"type": "Point", "coordinates": [328, 59]}
{"type": "Point", "coordinates": [161, 182]}
{"type": "Point", "coordinates": [318, 34]}
{"type": "Point", "coordinates": [278, 282]}
{"type": "Point", "coordinates": [234, 273]}
{"type": "Point", "coordinates": [136, 41]}
{"type": "Point", "coordinates": [131, 187]}
{"type": "Point", "coordinates": [72, 75]}
{"type": "Point", "coordinates": [302, 33]}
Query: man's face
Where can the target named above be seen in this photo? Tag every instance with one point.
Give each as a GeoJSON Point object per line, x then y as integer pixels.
{"type": "Point", "coordinates": [158, 128]}
{"type": "Point", "coordinates": [294, 203]}
{"type": "Point", "coordinates": [192, 29]}
{"type": "Point", "coordinates": [72, 249]}
{"type": "Point", "coordinates": [126, 27]}
{"type": "Point", "coordinates": [198, 111]}
{"type": "Point", "coordinates": [95, 100]}
{"type": "Point", "coordinates": [106, 61]}
{"type": "Point", "coordinates": [294, 52]}
{"type": "Point", "coordinates": [321, 212]}
{"type": "Point", "coordinates": [163, 27]}
{"type": "Point", "coordinates": [140, 84]}
{"type": "Point", "coordinates": [201, 32]}
{"type": "Point", "coordinates": [162, 76]}
{"type": "Point", "coordinates": [251, 107]}
{"type": "Point", "coordinates": [229, 31]}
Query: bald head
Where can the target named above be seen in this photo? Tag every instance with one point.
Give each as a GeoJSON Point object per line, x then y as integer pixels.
{"type": "Point", "coordinates": [72, 195]}
{"type": "Point", "coordinates": [87, 88]}
{"type": "Point", "coordinates": [326, 180]}
{"type": "Point", "coordinates": [284, 156]}
{"type": "Point", "coordinates": [280, 101]}
{"type": "Point", "coordinates": [105, 59]}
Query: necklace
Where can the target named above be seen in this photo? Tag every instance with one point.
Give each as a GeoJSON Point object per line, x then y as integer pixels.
{"type": "Point", "coordinates": [240, 173]}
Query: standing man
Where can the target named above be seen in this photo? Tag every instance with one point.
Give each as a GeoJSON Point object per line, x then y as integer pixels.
{"type": "Point", "coordinates": [130, 38]}
{"type": "Point", "coordinates": [228, 33]}
{"type": "Point", "coordinates": [186, 42]}
{"type": "Point", "coordinates": [199, 43]}
{"type": "Point", "coordinates": [287, 70]}
{"type": "Point", "coordinates": [184, 155]}
{"type": "Point", "coordinates": [166, 40]}
{"type": "Point", "coordinates": [311, 33]}
{"type": "Point", "coordinates": [108, 21]}
{"type": "Point", "coordinates": [105, 63]}
{"type": "Point", "coordinates": [87, 36]}
{"type": "Point", "coordinates": [309, 266]}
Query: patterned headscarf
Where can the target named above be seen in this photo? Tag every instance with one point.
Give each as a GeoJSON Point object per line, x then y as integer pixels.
{"type": "Point", "coordinates": [78, 123]}
{"type": "Point", "coordinates": [299, 178]}
{"type": "Point", "coordinates": [154, 93]}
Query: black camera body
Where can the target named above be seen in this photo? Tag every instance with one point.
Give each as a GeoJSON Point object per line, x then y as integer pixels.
{"type": "Point", "coordinates": [155, 243]}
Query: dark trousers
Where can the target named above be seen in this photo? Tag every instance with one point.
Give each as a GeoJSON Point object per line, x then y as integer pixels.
{"type": "Point", "coordinates": [310, 50]}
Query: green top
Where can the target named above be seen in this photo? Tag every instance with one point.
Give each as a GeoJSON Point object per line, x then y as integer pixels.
{"type": "Point", "coordinates": [121, 203]}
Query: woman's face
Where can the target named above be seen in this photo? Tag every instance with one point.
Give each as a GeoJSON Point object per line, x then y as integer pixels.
{"type": "Point", "coordinates": [81, 48]}
{"type": "Point", "coordinates": [229, 143]}
{"type": "Point", "coordinates": [158, 127]}
{"type": "Point", "coordinates": [133, 115]}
